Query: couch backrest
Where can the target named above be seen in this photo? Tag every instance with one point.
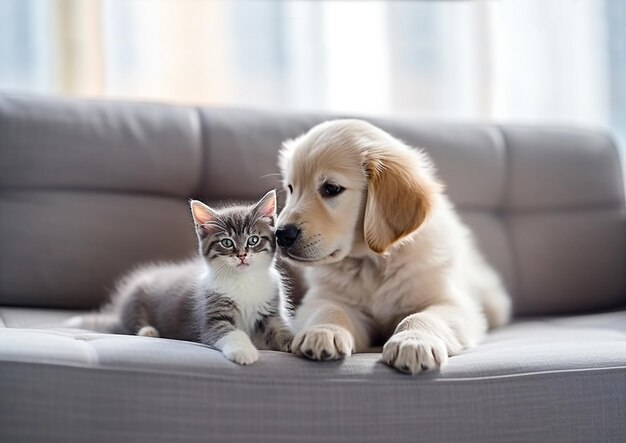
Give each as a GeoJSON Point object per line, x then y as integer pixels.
{"type": "Point", "coordinates": [89, 189]}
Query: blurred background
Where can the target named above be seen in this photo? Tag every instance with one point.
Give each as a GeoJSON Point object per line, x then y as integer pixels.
{"type": "Point", "coordinates": [524, 61]}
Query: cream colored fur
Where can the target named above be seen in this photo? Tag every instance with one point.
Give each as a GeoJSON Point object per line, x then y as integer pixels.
{"type": "Point", "coordinates": [388, 257]}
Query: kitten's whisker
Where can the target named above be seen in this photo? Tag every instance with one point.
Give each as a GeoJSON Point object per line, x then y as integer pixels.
{"type": "Point", "coordinates": [271, 174]}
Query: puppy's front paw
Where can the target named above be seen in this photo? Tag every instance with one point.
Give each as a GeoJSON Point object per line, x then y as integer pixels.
{"type": "Point", "coordinates": [413, 352]}
{"type": "Point", "coordinates": [243, 355]}
{"type": "Point", "coordinates": [323, 342]}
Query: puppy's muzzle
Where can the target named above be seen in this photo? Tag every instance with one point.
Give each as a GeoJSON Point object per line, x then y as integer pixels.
{"type": "Point", "coordinates": [287, 235]}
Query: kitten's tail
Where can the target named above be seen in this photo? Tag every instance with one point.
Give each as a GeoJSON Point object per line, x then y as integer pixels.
{"type": "Point", "coordinates": [108, 322]}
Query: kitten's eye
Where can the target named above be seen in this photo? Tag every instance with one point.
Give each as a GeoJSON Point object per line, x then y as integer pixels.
{"type": "Point", "coordinates": [253, 240]}
{"type": "Point", "coordinates": [331, 190]}
{"type": "Point", "coordinates": [290, 189]}
{"type": "Point", "coordinates": [227, 243]}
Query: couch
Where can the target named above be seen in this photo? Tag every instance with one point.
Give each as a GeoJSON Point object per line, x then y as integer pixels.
{"type": "Point", "coordinates": [89, 189]}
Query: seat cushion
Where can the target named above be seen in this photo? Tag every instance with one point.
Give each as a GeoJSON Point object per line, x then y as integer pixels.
{"type": "Point", "coordinates": [34, 318]}
{"type": "Point", "coordinates": [551, 379]}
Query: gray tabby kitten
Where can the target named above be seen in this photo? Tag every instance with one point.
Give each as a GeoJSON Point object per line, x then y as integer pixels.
{"type": "Point", "coordinates": [230, 298]}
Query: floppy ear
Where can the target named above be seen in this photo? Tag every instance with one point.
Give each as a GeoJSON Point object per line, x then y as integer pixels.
{"type": "Point", "coordinates": [401, 192]}
{"type": "Point", "coordinates": [266, 207]}
{"type": "Point", "coordinates": [204, 218]}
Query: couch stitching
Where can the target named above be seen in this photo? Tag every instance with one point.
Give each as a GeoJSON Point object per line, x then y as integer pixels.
{"type": "Point", "coordinates": [239, 379]}
{"type": "Point", "coordinates": [204, 153]}
{"type": "Point", "coordinates": [90, 351]}
{"type": "Point", "coordinates": [517, 290]}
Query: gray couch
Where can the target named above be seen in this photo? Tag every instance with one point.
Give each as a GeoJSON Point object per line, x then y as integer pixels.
{"type": "Point", "coordinates": [89, 189]}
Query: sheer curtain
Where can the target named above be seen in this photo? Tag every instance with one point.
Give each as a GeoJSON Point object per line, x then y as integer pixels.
{"type": "Point", "coordinates": [535, 61]}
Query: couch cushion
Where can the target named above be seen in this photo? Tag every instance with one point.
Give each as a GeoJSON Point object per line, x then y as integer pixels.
{"type": "Point", "coordinates": [241, 147]}
{"type": "Point", "coordinates": [89, 189]}
{"type": "Point", "coordinates": [65, 248]}
{"type": "Point", "coordinates": [559, 168]}
{"type": "Point", "coordinates": [107, 387]}
{"type": "Point", "coordinates": [569, 260]}
{"type": "Point", "coordinates": [25, 318]}
{"type": "Point", "coordinates": [546, 204]}
{"type": "Point", "coordinates": [98, 146]}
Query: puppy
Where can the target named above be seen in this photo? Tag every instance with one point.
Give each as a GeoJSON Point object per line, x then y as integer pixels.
{"type": "Point", "coordinates": [387, 256]}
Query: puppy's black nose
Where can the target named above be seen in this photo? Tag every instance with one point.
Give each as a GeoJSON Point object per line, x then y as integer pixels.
{"type": "Point", "coordinates": [287, 235]}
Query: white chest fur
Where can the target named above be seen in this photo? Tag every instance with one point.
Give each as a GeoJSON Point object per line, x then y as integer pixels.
{"type": "Point", "coordinates": [253, 292]}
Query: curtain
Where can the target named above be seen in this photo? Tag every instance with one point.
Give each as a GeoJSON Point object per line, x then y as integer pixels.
{"type": "Point", "coordinates": [530, 61]}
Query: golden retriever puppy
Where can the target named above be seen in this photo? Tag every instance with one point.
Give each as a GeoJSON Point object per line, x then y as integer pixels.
{"type": "Point", "coordinates": [386, 255]}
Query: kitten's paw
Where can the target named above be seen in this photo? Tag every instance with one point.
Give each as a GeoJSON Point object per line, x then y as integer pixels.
{"type": "Point", "coordinates": [323, 342]}
{"type": "Point", "coordinates": [236, 346]}
{"type": "Point", "coordinates": [283, 344]}
{"type": "Point", "coordinates": [413, 352]}
{"type": "Point", "coordinates": [148, 331]}
{"type": "Point", "coordinates": [245, 355]}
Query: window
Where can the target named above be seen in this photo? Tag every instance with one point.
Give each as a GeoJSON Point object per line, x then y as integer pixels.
{"type": "Point", "coordinates": [531, 61]}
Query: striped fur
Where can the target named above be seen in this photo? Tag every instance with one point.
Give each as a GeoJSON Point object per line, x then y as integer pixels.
{"type": "Point", "coordinates": [232, 291]}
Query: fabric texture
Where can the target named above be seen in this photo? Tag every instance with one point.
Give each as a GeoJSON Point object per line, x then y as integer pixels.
{"type": "Point", "coordinates": [109, 178]}
{"type": "Point", "coordinates": [90, 189]}
{"type": "Point", "coordinates": [550, 379]}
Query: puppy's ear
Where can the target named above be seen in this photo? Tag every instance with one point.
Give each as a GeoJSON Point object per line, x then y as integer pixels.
{"type": "Point", "coordinates": [401, 192]}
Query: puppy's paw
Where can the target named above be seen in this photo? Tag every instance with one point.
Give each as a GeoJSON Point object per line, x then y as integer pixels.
{"type": "Point", "coordinates": [148, 331]}
{"type": "Point", "coordinates": [413, 352]}
{"type": "Point", "coordinates": [323, 342]}
{"type": "Point", "coordinates": [243, 355]}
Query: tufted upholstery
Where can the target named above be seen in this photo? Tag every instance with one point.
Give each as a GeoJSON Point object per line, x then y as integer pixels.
{"type": "Point", "coordinates": [88, 189]}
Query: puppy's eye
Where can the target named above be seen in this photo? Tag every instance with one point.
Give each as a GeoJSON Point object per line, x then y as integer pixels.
{"type": "Point", "coordinates": [331, 190]}
{"type": "Point", "coordinates": [227, 243]}
{"type": "Point", "coordinates": [290, 189]}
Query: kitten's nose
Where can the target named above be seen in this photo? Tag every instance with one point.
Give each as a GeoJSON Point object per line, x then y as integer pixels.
{"type": "Point", "coordinates": [287, 235]}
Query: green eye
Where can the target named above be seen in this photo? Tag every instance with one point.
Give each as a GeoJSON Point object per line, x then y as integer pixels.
{"type": "Point", "coordinates": [227, 243]}
{"type": "Point", "coordinates": [253, 240]}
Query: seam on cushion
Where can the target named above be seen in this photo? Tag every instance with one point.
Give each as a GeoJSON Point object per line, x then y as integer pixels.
{"type": "Point", "coordinates": [568, 209]}
{"type": "Point", "coordinates": [543, 212]}
{"type": "Point", "coordinates": [497, 137]}
{"type": "Point", "coordinates": [337, 378]}
{"type": "Point", "coordinates": [88, 190]}
{"type": "Point", "coordinates": [618, 160]}
{"type": "Point", "coordinates": [204, 153]}
{"type": "Point", "coordinates": [517, 291]}
{"type": "Point", "coordinates": [90, 351]}
{"type": "Point", "coordinates": [33, 97]}
{"type": "Point", "coordinates": [198, 125]}
{"type": "Point", "coordinates": [531, 374]}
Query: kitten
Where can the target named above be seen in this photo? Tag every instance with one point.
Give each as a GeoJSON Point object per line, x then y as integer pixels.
{"type": "Point", "coordinates": [230, 298]}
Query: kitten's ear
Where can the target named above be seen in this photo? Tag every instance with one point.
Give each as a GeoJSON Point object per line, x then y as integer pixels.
{"type": "Point", "coordinates": [266, 207]}
{"type": "Point", "coordinates": [203, 217]}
